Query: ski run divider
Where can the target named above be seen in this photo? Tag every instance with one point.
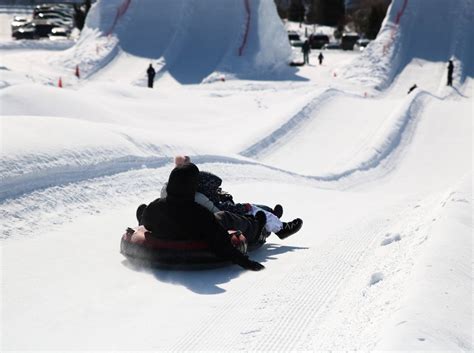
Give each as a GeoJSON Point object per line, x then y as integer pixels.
{"type": "Point", "coordinates": [388, 139]}
{"type": "Point", "coordinates": [291, 126]}
{"type": "Point", "coordinates": [20, 185]}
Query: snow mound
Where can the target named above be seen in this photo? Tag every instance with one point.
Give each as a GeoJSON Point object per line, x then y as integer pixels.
{"type": "Point", "coordinates": [235, 38]}
{"type": "Point", "coordinates": [431, 30]}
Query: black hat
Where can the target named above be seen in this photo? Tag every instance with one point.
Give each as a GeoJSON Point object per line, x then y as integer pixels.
{"type": "Point", "coordinates": [182, 183]}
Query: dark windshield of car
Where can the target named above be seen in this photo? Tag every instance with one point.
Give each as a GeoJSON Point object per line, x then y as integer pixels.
{"type": "Point", "coordinates": [293, 36]}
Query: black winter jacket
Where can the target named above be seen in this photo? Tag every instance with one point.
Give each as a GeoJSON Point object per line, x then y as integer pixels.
{"type": "Point", "coordinates": [210, 185]}
{"type": "Point", "coordinates": [151, 72]}
{"type": "Point", "coordinates": [178, 217]}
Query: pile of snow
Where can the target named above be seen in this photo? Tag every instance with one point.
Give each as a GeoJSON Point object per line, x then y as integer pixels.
{"type": "Point", "coordinates": [237, 39]}
{"type": "Point", "coordinates": [427, 30]}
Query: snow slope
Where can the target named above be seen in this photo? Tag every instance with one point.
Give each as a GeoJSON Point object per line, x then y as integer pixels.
{"type": "Point", "coordinates": [382, 180]}
{"type": "Point", "coordinates": [238, 38]}
{"type": "Point", "coordinates": [418, 32]}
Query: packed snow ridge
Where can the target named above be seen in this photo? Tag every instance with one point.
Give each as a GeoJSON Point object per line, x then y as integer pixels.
{"type": "Point", "coordinates": [240, 39]}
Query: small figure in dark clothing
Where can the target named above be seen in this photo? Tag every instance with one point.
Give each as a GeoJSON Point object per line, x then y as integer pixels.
{"type": "Point", "coordinates": [178, 217]}
{"type": "Point", "coordinates": [306, 49]}
{"type": "Point", "coordinates": [450, 73]}
{"type": "Point", "coordinates": [151, 75]}
{"type": "Point", "coordinates": [412, 88]}
{"type": "Point", "coordinates": [320, 58]}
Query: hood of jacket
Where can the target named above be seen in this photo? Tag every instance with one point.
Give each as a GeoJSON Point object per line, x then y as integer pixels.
{"type": "Point", "coordinates": [182, 183]}
{"type": "Point", "coordinates": [208, 183]}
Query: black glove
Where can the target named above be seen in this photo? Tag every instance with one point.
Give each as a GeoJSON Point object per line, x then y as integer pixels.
{"type": "Point", "coordinates": [252, 265]}
{"type": "Point", "coordinates": [225, 197]}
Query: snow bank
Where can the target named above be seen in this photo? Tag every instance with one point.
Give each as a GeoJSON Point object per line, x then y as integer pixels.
{"type": "Point", "coordinates": [291, 126]}
{"type": "Point", "coordinates": [434, 313]}
{"type": "Point", "coordinates": [432, 30]}
{"type": "Point", "coordinates": [234, 38]}
{"type": "Point", "coordinates": [40, 152]}
{"type": "Point", "coordinates": [384, 142]}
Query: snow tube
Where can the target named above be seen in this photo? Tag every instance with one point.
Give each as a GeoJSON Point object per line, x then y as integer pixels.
{"type": "Point", "coordinates": [140, 246]}
{"type": "Point", "coordinates": [295, 63]}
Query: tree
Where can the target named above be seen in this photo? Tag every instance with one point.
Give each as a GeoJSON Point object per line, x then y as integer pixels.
{"type": "Point", "coordinates": [369, 16]}
{"type": "Point", "coordinates": [296, 11]}
{"type": "Point", "coordinates": [80, 13]}
{"type": "Point", "coordinates": [326, 12]}
{"type": "Point", "coordinates": [334, 11]}
{"type": "Point", "coordinates": [282, 8]}
{"type": "Point", "coordinates": [374, 22]}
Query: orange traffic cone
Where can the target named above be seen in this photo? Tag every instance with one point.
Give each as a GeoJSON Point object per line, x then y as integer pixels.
{"type": "Point", "coordinates": [60, 83]}
{"type": "Point", "coordinates": [78, 75]}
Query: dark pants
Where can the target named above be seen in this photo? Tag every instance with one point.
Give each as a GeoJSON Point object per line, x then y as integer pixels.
{"type": "Point", "coordinates": [248, 225]}
{"type": "Point", "coordinates": [450, 80]}
{"type": "Point", "coordinates": [150, 81]}
{"type": "Point", "coordinates": [306, 58]}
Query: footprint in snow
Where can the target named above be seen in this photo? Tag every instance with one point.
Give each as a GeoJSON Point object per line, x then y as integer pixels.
{"type": "Point", "coordinates": [390, 238]}
{"type": "Point", "coordinates": [375, 278]}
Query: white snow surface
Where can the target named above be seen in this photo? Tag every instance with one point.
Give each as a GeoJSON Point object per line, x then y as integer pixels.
{"type": "Point", "coordinates": [382, 180]}
{"type": "Point", "coordinates": [233, 40]}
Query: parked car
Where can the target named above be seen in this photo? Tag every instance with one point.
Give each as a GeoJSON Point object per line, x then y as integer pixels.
{"type": "Point", "coordinates": [59, 33]}
{"type": "Point", "coordinates": [54, 18]}
{"type": "Point", "coordinates": [317, 41]}
{"type": "Point", "coordinates": [18, 21]}
{"type": "Point", "coordinates": [43, 27]}
{"type": "Point", "coordinates": [348, 40]}
{"type": "Point", "coordinates": [60, 8]}
{"type": "Point", "coordinates": [332, 45]}
{"type": "Point", "coordinates": [361, 44]}
{"type": "Point", "coordinates": [56, 13]}
{"type": "Point", "coordinates": [295, 40]}
{"type": "Point", "coordinates": [28, 31]}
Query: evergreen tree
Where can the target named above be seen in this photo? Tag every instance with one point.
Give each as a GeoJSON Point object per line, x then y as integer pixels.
{"type": "Point", "coordinates": [315, 12]}
{"type": "Point", "coordinates": [369, 17]}
{"type": "Point", "coordinates": [375, 19]}
{"type": "Point", "coordinates": [80, 13]}
{"type": "Point", "coordinates": [326, 12]}
{"type": "Point", "coordinates": [282, 8]}
{"type": "Point", "coordinates": [334, 11]}
{"type": "Point", "coordinates": [296, 11]}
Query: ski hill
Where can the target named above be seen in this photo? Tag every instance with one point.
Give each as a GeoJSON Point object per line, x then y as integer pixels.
{"type": "Point", "coordinates": [238, 38]}
{"type": "Point", "coordinates": [410, 41]}
{"type": "Point", "coordinates": [381, 178]}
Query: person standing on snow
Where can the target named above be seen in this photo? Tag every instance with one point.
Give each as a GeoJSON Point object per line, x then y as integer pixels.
{"type": "Point", "coordinates": [412, 88]}
{"type": "Point", "coordinates": [450, 73]}
{"type": "Point", "coordinates": [306, 49]}
{"type": "Point", "coordinates": [151, 75]}
{"type": "Point", "coordinates": [320, 58]}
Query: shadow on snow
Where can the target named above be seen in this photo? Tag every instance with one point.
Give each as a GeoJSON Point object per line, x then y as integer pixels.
{"type": "Point", "coordinates": [207, 281]}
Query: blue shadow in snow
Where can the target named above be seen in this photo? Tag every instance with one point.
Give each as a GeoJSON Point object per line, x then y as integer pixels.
{"type": "Point", "coordinates": [207, 281]}
{"type": "Point", "coordinates": [459, 92]}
